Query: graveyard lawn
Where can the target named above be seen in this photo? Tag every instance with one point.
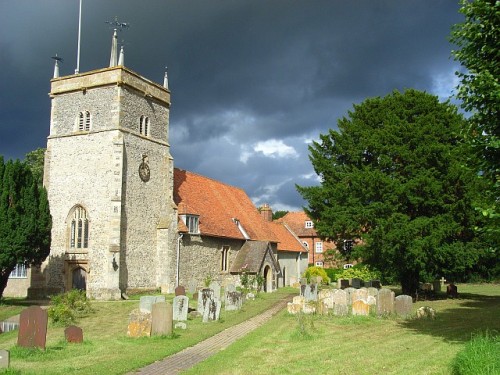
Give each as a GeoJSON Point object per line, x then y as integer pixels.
{"type": "Point", "coordinates": [301, 344]}
{"type": "Point", "coordinates": [106, 349]}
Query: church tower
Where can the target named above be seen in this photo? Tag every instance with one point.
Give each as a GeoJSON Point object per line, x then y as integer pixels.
{"type": "Point", "coordinates": [109, 177]}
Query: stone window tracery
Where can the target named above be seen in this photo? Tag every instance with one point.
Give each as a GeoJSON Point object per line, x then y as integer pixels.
{"type": "Point", "coordinates": [144, 125]}
{"type": "Point", "coordinates": [84, 121]}
{"type": "Point", "coordinates": [79, 229]}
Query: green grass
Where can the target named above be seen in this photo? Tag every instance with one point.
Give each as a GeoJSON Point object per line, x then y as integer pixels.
{"type": "Point", "coordinates": [480, 356]}
{"type": "Point", "coordinates": [107, 349]}
{"type": "Point", "coordinates": [363, 345]}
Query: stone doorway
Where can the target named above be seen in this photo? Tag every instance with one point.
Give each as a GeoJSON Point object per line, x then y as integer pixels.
{"type": "Point", "coordinates": [79, 279]}
{"type": "Point", "coordinates": [268, 279]}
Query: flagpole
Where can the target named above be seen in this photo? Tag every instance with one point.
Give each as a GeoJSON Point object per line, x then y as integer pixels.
{"type": "Point", "coordinates": [77, 70]}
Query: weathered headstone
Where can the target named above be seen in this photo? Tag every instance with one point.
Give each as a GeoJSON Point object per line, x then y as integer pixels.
{"type": "Point", "coordinates": [403, 305]}
{"type": "Point", "coordinates": [371, 300]}
{"type": "Point", "coordinates": [376, 284]}
{"type": "Point", "coordinates": [162, 319]}
{"type": "Point", "coordinates": [385, 301]}
{"type": "Point", "coordinates": [73, 334]}
{"type": "Point", "coordinates": [349, 292]}
{"type": "Point", "coordinates": [180, 291]}
{"type": "Point", "coordinates": [180, 308]}
{"type": "Point", "coordinates": [192, 286]}
{"type": "Point", "coordinates": [372, 291]}
{"type": "Point", "coordinates": [293, 308]}
{"type": "Point", "coordinates": [215, 286]}
{"type": "Point", "coordinates": [146, 303]}
{"type": "Point", "coordinates": [309, 307]}
{"type": "Point", "coordinates": [368, 284]}
{"type": "Point", "coordinates": [452, 291]}
{"type": "Point", "coordinates": [32, 328]}
{"type": "Point", "coordinates": [357, 283]}
{"type": "Point", "coordinates": [212, 310]}
{"type": "Point", "coordinates": [299, 300]}
{"type": "Point", "coordinates": [322, 308]}
{"type": "Point", "coordinates": [230, 288]}
{"type": "Point", "coordinates": [180, 325]}
{"type": "Point", "coordinates": [311, 292]}
{"type": "Point", "coordinates": [326, 295]}
{"type": "Point", "coordinates": [360, 307]}
{"type": "Point", "coordinates": [139, 323]}
{"type": "Point", "coordinates": [303, 289]}
{"type": "Point", "coordinates": [342, 283]}
{"type": "Point", "coordinates": [340, 302]}
{"type": "Point", "coordinates": [436, 286]}
{"type": "Point", "coordinates": [4, 359]}
{"type": "Point", "coordinates": [204, 296]}
{"type": "Point", "coordinates": [426, 312]}
{"type": "Point", "coordinates": [359, 294]}
{"type": "Point", "coordinates": [233, 301]}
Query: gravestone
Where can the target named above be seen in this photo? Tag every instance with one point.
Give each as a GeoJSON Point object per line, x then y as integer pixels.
{"type": "Point", "coordinates": [192, 286]}
{"type": "Point", "coordinates": [360, 307]}
{"type": "Point", "coordinates": [368, 284]}
{"type": "Point", "coordinates": [180, 325]}
{"type": "Point", "coordinates": [211, 310]}
{"type": "Point", "coordinates": [4, 359]}
{"type": "Point", "coordinates": [146, 303]}
{"type": "Point", "coordinates": [293, 308]}
{"type": "Point", "coordinates": [376, 284]}
{"type": "Point", "coordinates": [204, 296]}
{"type": "Point", "coordinates": [139, 323]}
{"type": "Point", "coordinates": [342, 283]}
{"type": "Point", "coordinates": [32, 328]}
{"type": "Point", "coordinates": [322, 308]}
{"type": "Point", "coordinates": [326, 295]}
{"type": "Point", "coordinates": [452, 291]}
{"type": "Point", "coordinates": [311, 292]}
{"type": "Point", "coordinates": [349, 292]}
{"type": "Point", "coordinates": [436, 286]}
{"type": "Point", "coordinates": [357, 283]}
{"type": "Point", "coordinates": [162, 319]}
{"type": "Point", "coordinates": [303, 289]}
{"type": "Point", "coordinates": [357, 294]}
{"type": "Point", "coordinates": [340, 303]}
{"type": "Point", "coordinates": [215, 286]}
{"type": "Point", "coordinates": [180, 291]}
{"type": "Point", "coordinates": [371, 300]}
{"type": "Point", "coordinates": [230, 288]}
{"type": "Point", "coordinates": [426, 312]}
{"type": "Point", "coordinates": [385, 301]}
{"type": "Point", "coordinates": [309, 308]}
{"type": "Point", "coordinates": [372, 291]}
{"type": "Point", "coordinates": [180, 308]}
{"type": "Point", "coordinates": [233, 301]}
{"type": "Point", "coordinates": [299, 300]}
{"type": "Point", "coordinates": [73, 334]}
{"type": "Point", "coordinates": [403, 305]}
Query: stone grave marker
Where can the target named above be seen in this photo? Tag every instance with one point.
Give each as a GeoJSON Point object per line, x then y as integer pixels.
{"type": "Point", "coordinates": [436, 286]}
{"type": "Point", "coordinates": [215, 286]}
{"type": "Point", "coordinates": [303, 289]}
{"type": "Point", "coordinates": [342, 284]}
{"type": "Point", "coordinates": [340, 302]}
{"type": "Point", "coordinates": [233, 301]}
{"type": "Point", "coordinates": [32, 328]}
{"type": "Point", "coordinates": [73, 334]}
{"type": "Point", "coordinates": [204, 296]}
{"type": "Point", "coordinates": [212, 310]}
{"type": "Point", "coordinates": [293, 308]}
{"type": "Point", "coordinates": [303, 281]}
{"type": "Point", "coordinates": [299, 300]}
{"type": "Point", "coordinates": [180, 308]}
{"type": "Point", "coordinates": [452, 291]}
{"type": "Point", "coordinates": [357, 283]}
{"type": "Point", "coordinates": [368, 284]}
{"type": "Point", "coordinates": [180, 325]}
{"type": "Point", "coordinates": [146, 303]}
{"type": "Point", "coordinates": [192, 286]}
{"type": "Point", "coordinates": [376, 284]}
{"type": "Point", "coordinates": [385, 301]}
{"type": "Point", "coordinates": [230, 288]}
{"type": "Point", "coordinates": [162, 319]}
{"type": "Point", "coordinates": [360, 307]}
{"type": "Point", "coordinates": [371, 300]}
{"type": "Point", "coordinates": [403, 305]}
{"type": "Point", "coordinates": [139, 323]}
{"type": "Point", "coordinates": [4, 359]}
{"type": "Point", "coordinates": [322, 308]}
{"type": "Point", "coordinates": [180, 291]}
{"type": "Point", "coordinates": [326, 295]}
{"type": "Point", "coordinates": [357, 294]}
{"type": "Point", "coordinates": [311, 292]}
{"type": "Point", "coordinates": [372, 291]}
{"type": "Point", "coordinates": [349, 292]}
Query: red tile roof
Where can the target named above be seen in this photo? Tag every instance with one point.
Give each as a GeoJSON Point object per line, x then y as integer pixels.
{"type": "Point", "coordinates": [296, 221]}
{"type": "Point", "coordinates": [287, 241]}
{"type": "Point", "coordinates": [217, 205]}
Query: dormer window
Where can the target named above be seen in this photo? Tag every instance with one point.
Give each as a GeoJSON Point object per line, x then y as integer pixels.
{"type": "Point", "coordinates": [144, 125]}
{"type": "Point", "coordinates": [84, 121]}
{"type": "Point", "coordinates": [309, 224]}
{"type": "Point", "coordinates": [192, 222]}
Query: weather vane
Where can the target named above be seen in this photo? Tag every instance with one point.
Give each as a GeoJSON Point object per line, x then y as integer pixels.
{"type": "Point", "coordinates": [118, 25]}
{"type": "Point", "coordinates": [56, 65]}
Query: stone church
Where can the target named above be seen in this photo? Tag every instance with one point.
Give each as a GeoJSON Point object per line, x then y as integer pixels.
{"type": "Point", "coordinates": [109, 175]}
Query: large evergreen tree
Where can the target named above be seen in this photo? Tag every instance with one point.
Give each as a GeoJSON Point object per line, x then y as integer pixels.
{"type": "Point", "coordinates": [25, 220]}
{"type": "Point", "coordinates": [478, 42]}
{"type": "Point", "coordinates": [393, 179]}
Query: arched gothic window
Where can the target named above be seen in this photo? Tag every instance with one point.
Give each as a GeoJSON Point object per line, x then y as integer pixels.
{"type": "Point", "coordinates": [144, 125]}
{"type": "Point", "coordinates": [84, 121]}
{"type": "Point", "coordinates": [79, 229]}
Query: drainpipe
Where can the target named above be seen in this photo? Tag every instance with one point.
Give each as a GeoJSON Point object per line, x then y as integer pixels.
{"type": "Point", "coordinates": [178, 258]}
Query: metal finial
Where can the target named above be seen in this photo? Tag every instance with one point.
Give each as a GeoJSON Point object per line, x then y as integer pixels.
{"type": "Point", "coordinates": [118, 25]}
{"type": "Point", "coordinates": [165, 79]}
{"type": "Point", "coordinates": [57, 60]}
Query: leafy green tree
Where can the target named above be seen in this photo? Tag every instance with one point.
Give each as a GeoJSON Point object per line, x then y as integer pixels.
{"type": "Point", "coordinates": [393, 180]}
{"type": "Point", "coordinates": [279, 214]}
{"type": "Point", "coordinates": [478, 42]}
{"type": "Point", "coordinates": [35, 161]}
{"type": "Point", "coordinates": [25, 221]}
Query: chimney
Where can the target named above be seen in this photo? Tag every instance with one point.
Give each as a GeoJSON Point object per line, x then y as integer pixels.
{"type": "Point", "coordinates": [266, 212]}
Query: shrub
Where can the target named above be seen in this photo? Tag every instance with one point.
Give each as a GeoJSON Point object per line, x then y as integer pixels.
{"type": "Point", "coordinates": [333, 273]}
{"type": "Point", "coordinates": [480, 356]}
{"type": "Point", "coordinates": [67, 307]}
{"type": "Point", "coordinates": [316, 271]}
{"type": "Point", "coordinates": [359, 271]}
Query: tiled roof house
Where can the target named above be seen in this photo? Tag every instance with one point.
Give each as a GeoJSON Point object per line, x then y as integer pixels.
{"type": "Point", "coordinates": [221, 234]}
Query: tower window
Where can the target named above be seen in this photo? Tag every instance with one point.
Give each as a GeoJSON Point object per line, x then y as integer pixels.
{"type": "Point", "coordinates": [144, 125]}
{"type": "Point", "coordinates": [79, 229]}
{"type": "Point", "coordinates": [84, 121]}
{"type": "Point", "coordinates": [224, 257]}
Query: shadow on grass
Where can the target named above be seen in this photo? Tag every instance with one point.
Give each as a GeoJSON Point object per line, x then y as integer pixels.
{"type": "Point", "coordinates": [458, 319]}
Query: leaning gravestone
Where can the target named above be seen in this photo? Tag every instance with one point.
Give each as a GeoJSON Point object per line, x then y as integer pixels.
{"type": "Point", "coordinates": [212, 310]}
{"type": "Point", "coordinates": [360, 307]}
{"type": "Point", "coordinates": [146, 303]}
{"type": "Point", "coordinates": [181, 307]}
{"type": "Point", "coordinates": [340, 303]}
{"type": "Point", "coordinates": [233, 301]}
{"type": "Point", "coordinates": [32, 328]}
{"type": "Point", "coordinates": [403, 305]}
{"type": "Point", "coordinates": [139, 323]}
{"type": "Point", "coordinates": [73, 334]}
{"type": "Point", "coordinates": [385, 301]}
{"type": "Point", "coordinates": [180, 291]}
{"type": "Point", "coordinates": [204, 296]}
{"type": "Point", "coordinates": [161, 319]}
{"type": "Point", "coordinates": [215, 286]}
{"type": "Point", "coordinates": [4, 358]}
{"type": "Point", "coordinates": [311, 292]}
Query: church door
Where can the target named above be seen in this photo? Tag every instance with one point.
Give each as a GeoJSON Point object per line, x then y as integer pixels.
{"type": "Point", "coordinates": [268, 279]}
{"type": "Point", "coordinates": [79, 279]}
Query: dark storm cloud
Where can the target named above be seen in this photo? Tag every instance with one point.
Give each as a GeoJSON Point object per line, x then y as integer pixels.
{"type": "Point", "coordinates": [250, 80]}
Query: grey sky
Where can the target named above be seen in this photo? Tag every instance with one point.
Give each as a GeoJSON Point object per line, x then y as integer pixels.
{"type": "Point", "coordinates": [252, 81]}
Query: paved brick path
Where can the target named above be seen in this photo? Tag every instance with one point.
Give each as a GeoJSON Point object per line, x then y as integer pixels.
{"type": "Point", "coordinates": [201, 351]}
